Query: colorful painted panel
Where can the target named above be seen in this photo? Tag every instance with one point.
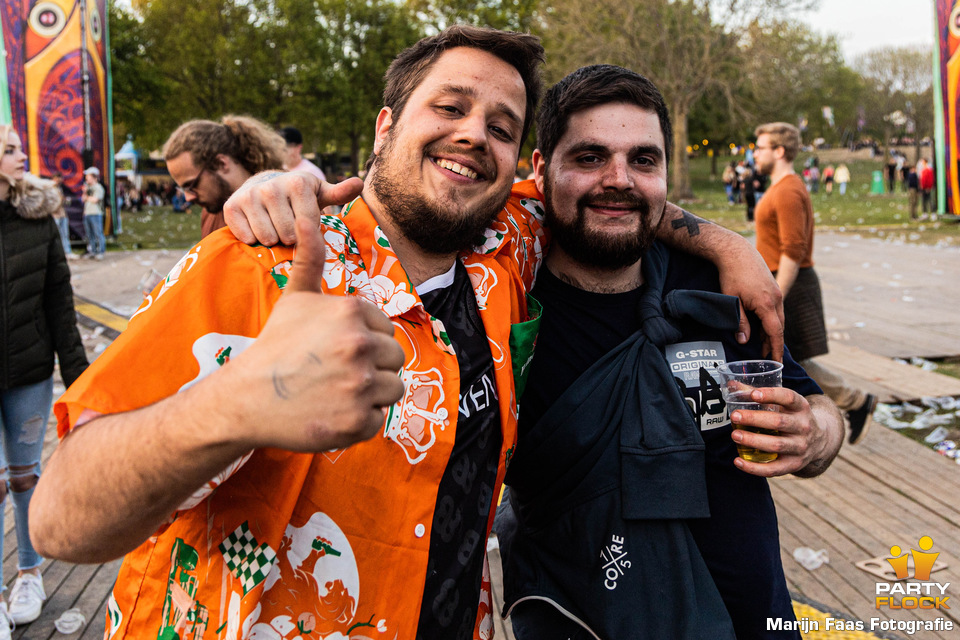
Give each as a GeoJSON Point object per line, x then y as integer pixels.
{"type": "Point", "coordinates": [51, 45]}
{"type": "Point", "coordinates": [948, 41]}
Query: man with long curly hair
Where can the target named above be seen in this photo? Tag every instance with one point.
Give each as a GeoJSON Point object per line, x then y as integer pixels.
{"type": "Point", "coordinates": [210, 160]}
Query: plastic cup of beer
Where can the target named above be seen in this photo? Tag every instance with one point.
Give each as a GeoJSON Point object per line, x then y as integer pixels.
{"type": "Point", "coordinates": [737, 382]}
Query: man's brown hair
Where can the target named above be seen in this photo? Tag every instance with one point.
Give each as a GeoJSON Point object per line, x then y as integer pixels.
{"type": "Point", "coordinates": [782, 134]}
{"type": "Point", "coordinates": [253, 144]}
{"type": "Point", "coordinates": [522, 51]}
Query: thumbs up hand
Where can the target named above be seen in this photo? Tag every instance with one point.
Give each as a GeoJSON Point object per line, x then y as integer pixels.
{"type": "Point", "coordinates": [324, 368]}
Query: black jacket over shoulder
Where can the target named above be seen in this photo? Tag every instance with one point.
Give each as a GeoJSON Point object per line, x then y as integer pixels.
{"type": "Point", "coordinates": [37, 318]}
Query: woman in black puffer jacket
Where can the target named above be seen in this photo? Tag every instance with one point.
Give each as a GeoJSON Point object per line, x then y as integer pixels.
{"type": "Point", "coordinates": [37, 319]}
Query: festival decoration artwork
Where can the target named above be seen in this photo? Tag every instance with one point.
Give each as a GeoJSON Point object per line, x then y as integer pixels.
{"type": "Point", "coordinates": [57, 85]}
{"type": "Point", "coordinates": [947, 85]}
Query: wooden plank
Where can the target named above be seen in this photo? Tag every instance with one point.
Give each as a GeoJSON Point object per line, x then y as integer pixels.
{"type": "Point", "coordinates": [826, 584]}
{"type": "Point", "coordinates": [951, 574]}
{"type": "Point", "coordinates": [902, 381]}
{"type": "Point", "coordinates": [59, 601]}
{"type": "Point", "coordinates": [887, 455]}
{"type": "Point", "coordinates": [92, 601]}
{"type": "Point", "coordinates": [97, 623]}
{"type": "Point", "coordinates": [865, 282]}
{"type": "Point", "coordinates": [847, 588]}
{"type": "Point", "coordinates": [854, 587]}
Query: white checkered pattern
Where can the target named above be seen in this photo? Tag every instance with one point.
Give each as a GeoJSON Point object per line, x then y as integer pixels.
{"type": "Point", "coordinates": [248, 561]}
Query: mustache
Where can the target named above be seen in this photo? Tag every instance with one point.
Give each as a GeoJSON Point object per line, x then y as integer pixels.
{"type": "Point", "coordinates": [622, 198]}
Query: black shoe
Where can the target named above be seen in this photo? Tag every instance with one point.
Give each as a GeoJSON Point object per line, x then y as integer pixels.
{"type": "Point", "coordinates": [860, 419]}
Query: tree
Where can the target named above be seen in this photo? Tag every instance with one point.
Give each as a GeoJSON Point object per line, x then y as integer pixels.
{"type": "Point", "coordinates": [515, 15]}
{"type": "Point", "coordinates": [687, 47]}
{"type": "Point", "coordinates": [138, 87]}
{"type": "Point", "coordinates": [900, 79]}
{"type": "Point", "coordinates": [340, 80]}
{"type": "Point", "coordinates": [790, 72]}
{"type": "Point", "coordinates": [179, 59]}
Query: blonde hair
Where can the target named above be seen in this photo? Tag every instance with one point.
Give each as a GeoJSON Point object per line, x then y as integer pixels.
{"type": "Point", "coordinates": [253, 144]}
{"type": "Point", "coordinates": [782, 134]}
{"type": "Point", "coordinates": [16, 188]}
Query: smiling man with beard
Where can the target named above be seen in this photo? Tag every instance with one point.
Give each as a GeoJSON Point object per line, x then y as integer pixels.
{"type": "Point", "coordinates": [630, 512]}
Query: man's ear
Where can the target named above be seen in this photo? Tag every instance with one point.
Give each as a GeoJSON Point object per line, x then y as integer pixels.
{"type": "Point", "coordinates": [224, 162]}
{"type": "Point", "coordinates": [384, 122]}
{"type": "Point", "coordinates": [539, 169]}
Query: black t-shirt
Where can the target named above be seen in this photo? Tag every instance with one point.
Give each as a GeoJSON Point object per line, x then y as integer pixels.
{"type": "Point", "coordinates": [578, 327]}
{"type": "Point", "coordinates": [458, 536]}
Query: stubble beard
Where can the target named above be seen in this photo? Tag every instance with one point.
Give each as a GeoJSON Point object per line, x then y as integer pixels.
{"type": "Point", "coordinates": [436, 230]}
{"type": "Point", "coordinates": [594, 248]}
{"type": "Point", "coordinates": [223, 193]}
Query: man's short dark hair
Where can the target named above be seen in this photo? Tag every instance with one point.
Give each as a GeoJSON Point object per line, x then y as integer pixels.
{"type": "Point", "coordinates": [522, 51]}
{"type": "Point", "coordinates": [593, 86]}
{"type": "Point", "coordinates": [292, 135]}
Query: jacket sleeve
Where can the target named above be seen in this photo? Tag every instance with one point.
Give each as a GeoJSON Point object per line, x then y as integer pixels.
{"type": "Point", "coordinates": [58, 307]}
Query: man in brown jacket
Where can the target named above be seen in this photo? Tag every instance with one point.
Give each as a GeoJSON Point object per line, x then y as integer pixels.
{"type": "Point", "coordinates": [784, 223]}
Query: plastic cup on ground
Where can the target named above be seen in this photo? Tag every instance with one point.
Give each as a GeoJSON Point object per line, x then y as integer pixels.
{"type": "Point", "coordinates": [737, 382]}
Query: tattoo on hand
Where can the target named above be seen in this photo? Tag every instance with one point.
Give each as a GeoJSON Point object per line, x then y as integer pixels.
{"type": "Point", "coordinates": [690, 221]}
{"type": "Point", "coordinates": [263, 177]}
{"type": "Point", "coordinates": [280, 387]}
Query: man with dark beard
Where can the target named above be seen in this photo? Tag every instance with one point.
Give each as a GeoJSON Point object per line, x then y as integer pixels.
{"type": "Point", "coordinates": [626, 445]}
{"type": "Point", "coordinates": [210, 160]}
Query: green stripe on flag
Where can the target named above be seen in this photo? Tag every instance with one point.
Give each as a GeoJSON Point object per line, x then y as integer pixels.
{"type": "Point", "coordinates": [6, 117]}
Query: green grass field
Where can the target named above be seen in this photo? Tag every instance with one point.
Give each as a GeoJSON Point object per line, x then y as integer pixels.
{"type": "Point", "coordinates": [158, 228]}
{"type": "Point", "coordinates": [858, 211]}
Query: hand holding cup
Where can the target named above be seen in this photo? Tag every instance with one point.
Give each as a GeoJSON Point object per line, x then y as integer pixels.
{"type": "Point", "coordinates": [738, 381]}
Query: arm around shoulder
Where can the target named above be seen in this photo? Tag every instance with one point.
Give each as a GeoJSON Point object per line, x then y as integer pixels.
{"type": "Point", "coordinates": [743, 273]}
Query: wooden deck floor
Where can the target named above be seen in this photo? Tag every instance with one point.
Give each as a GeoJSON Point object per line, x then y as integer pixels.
{"type": "Point", "coordinates": [68, 586]}
{"type": "Point", "coordinates": [886, 491]}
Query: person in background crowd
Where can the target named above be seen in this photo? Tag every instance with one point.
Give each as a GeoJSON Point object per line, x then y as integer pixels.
{"type": "Point", "coordinates": [210, 160]}
{"type": "Point", "coordinates": [294, 160]}
{"type": "Point", "coordinates": [729, 178]}
{"type": "Point", "coordinates": [37, 322]}
{"type": "Point", "coordinates": [61, 218]}
{"type": "Point", "coordinates": [842, 177]}
{"type": "Point", "coordinates": [785, 240]}
{"type": "Point", "coordinates": [93, 213]}
{"type": "Point", "coordinates": [913, 190]}
{"type": "Point", "coordinates": [179, 201]}
{"type": "Point", "coordinates": [925, 173]}
{"type": "Point", "coordinates": [828, 174]}
{"type": "Point", "coordinates": [749, 191]}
